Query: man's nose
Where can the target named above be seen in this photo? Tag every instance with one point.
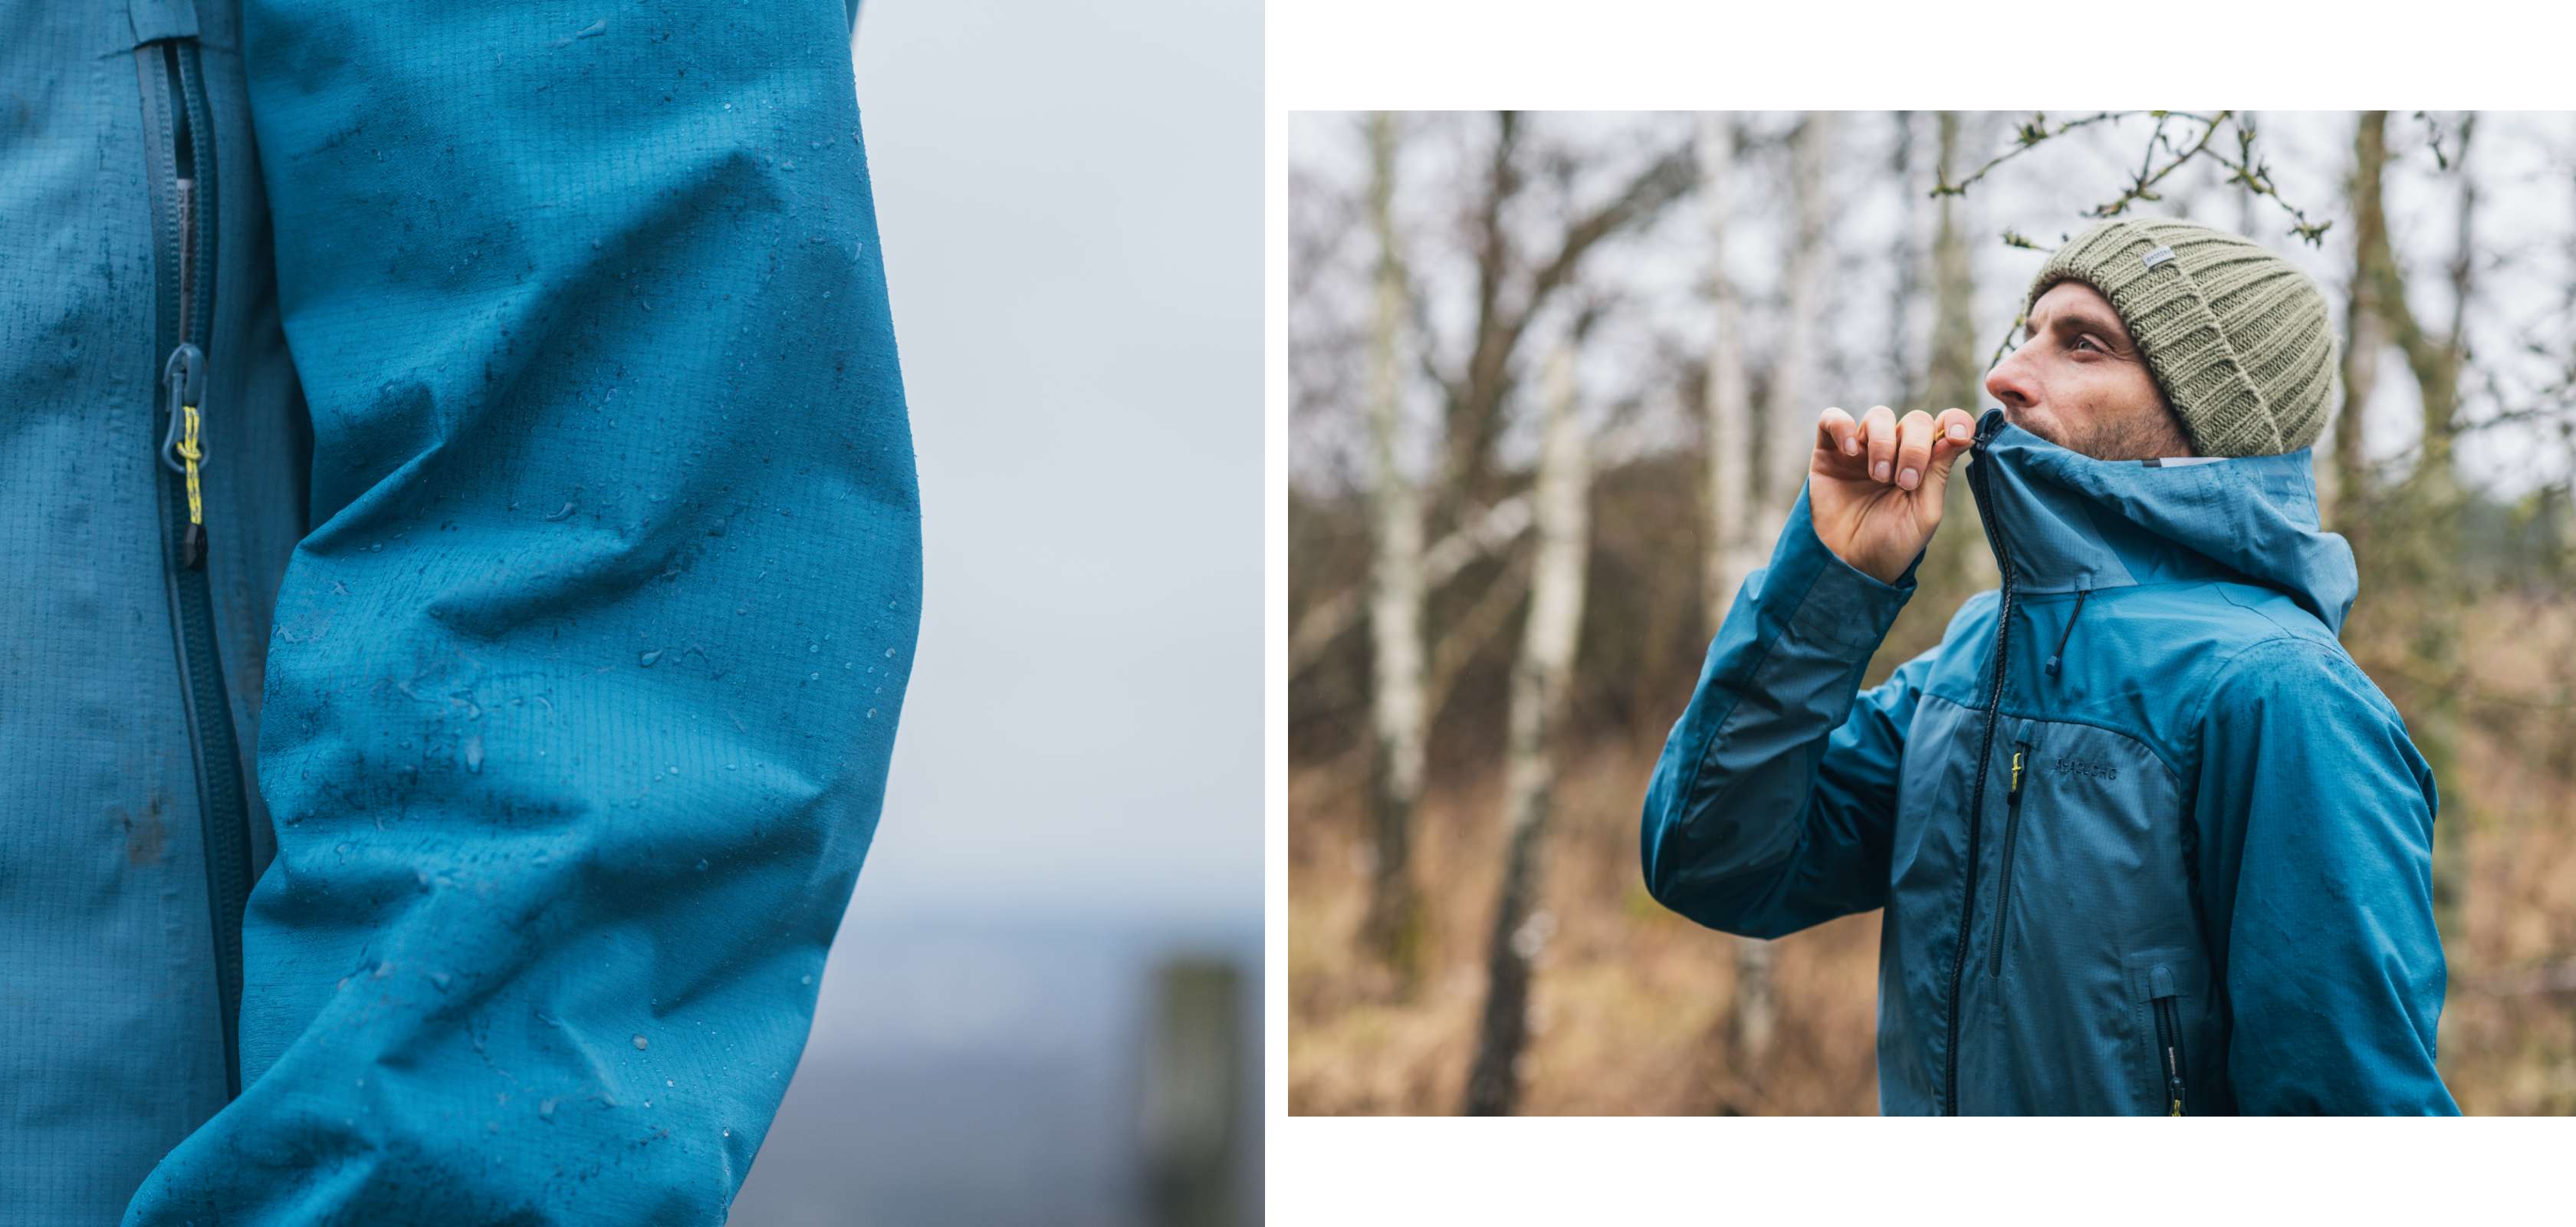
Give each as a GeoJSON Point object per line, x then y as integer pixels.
{"type": "Point", "coordinates": [2009, 383]}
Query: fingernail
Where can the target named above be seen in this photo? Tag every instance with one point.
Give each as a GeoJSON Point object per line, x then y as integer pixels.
{"type": "Point", "coordinates": [1851, 447]}
{"type": "Point", "coordinates": [1958, 433]}
{"type": "Point", "coordinates": [1880, 471]}
{"type": "Point", "coordinates": [1906, 479]}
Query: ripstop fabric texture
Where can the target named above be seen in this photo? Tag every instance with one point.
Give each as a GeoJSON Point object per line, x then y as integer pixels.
{"type": "Point", "coordinates": [563, 553]}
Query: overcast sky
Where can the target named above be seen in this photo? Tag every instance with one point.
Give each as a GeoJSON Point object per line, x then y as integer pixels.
{"type": "Point", "coordinates": [1069, 199]}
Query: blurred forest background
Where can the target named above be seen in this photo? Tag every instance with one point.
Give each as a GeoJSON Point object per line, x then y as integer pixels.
{"type": "Point", "coordinates": [1511, 338]}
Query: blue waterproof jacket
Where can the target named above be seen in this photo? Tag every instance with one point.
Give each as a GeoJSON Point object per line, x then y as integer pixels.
{"type": "Point", "coordinates": [2146, 839]}
{"type": "Point", "coordinates": [463, 563]}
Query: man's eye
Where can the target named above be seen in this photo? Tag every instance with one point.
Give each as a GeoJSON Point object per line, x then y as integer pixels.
{"type": "Point", "coordinates": [2081, 342]}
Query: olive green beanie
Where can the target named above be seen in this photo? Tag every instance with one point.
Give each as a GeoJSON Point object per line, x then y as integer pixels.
{"type": "Point", "coordinates": [2236, 338]}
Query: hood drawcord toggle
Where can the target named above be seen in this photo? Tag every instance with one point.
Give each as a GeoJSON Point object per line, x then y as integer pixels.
{"type": "Point", "coordinates": [2055, 656]}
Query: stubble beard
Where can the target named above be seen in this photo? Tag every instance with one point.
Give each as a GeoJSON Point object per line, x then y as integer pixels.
{"type": "Point", "coordinates": [2155, 433]}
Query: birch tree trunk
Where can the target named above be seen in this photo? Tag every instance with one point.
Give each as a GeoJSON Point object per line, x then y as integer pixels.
{"type": "Point", "coordinates": [1393, 928]}
{"type": "Point", "coordinates": [1907, 255]}
{"type": "Point", "coordinates": [1956, 378]}
{"type": "Point", "coordinates": [1728, 406]}
{"type": "Point", "coordinates": [1790, 415]}
{"type": "Point", "coordinates": [1548, 642]}
{"type": "Point", "coordinates": [1791, 421]}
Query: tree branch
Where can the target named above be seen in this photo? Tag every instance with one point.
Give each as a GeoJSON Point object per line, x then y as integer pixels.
{"type": "Point", "coordinates": [1328, 619]}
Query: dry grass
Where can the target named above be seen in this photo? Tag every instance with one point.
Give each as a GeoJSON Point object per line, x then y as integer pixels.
{"type": "Point", "coordinates": [1630, 1002]}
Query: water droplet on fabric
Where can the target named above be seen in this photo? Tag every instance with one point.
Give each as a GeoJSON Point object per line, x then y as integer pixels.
{"type": "Point", "coordinates": [649, 658]}
{"type": "Point", "coordinates": [642, 1043]}
{"type": "Point", "coordinates": [809, 979]}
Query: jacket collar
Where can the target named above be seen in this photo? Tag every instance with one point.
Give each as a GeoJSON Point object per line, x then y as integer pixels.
{"type": "Point", "coordinates": [2073, 523]}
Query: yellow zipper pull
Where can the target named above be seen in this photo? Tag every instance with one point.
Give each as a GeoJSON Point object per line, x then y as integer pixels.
{"type": "Point", "coordinates": [183, 449]}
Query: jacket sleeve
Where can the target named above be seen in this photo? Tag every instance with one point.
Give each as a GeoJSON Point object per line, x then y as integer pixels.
{"type": "Point", "coordinates": [583, 685]}
{"type": "Point", "coordinates": [2319, 813]}
{"type": "Point", "coordinates": [1773, 803]}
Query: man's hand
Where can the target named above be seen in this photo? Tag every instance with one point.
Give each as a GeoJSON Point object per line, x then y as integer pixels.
{"type": "Point", "coordinates": [1875, 486]}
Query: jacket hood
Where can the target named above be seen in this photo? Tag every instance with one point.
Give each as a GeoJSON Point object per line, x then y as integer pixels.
{"type": "Point", "coordinates": [2074, 523]}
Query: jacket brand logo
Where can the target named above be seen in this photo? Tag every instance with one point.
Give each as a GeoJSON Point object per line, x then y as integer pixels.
{"type": "Point", "coordinates": [2080, 766]}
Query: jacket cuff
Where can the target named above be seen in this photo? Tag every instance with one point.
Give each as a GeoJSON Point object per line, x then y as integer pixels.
{"type": "Point", "coordinates": [1838, 603]}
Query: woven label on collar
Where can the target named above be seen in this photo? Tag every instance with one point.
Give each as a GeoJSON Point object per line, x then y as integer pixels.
{"type": "Point", "coordinates": [2158, 256]}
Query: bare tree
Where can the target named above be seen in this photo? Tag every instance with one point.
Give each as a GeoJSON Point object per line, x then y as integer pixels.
{"type": "Point", "coordinates": [1789, 425]}
{"type": "Point", "coordinates": [1394, 923]}
{"type": "Point", "coordinates": [1511, 292]}
{"type": "Point", "coordinates": [2417, 543]}
{"type": "Point", "coordinates": [1488, 534]}
{"type": "Point", "coordinates": [1907, 255]}
{"type": "Point", "coordinates": [1548, 641]}
{"type": "Point", "coordinates": [1789, 417]}
{"type": "Point", "coordinates": [2365, 329]}
{"type": "Point", "coordinates": [1954, 379]}
{"type": "Point", "coordinates": [1731, 552]}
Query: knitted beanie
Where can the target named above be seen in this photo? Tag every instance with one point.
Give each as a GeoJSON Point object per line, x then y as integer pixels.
{"type": "Point", "coordinates": [2236, 338]}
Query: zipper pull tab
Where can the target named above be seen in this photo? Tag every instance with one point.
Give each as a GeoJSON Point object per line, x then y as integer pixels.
{"type": "Point", "coordinates": [182, 448]}
{"type": "Point", "coordinates": [2012, 795]}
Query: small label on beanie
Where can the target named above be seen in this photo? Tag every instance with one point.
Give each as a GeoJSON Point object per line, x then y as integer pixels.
{"type": "Point", "coordinates": [2158, 256]}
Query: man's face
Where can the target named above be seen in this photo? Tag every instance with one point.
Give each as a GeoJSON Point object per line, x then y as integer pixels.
{"type": "Point", "coordinates": [2080, 383]}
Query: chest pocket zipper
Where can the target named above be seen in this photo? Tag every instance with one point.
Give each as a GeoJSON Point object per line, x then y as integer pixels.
{"type": "Point", "coordinates": [2169, 1056]}
{"type": "Point", "coordinates": [2012, 840]}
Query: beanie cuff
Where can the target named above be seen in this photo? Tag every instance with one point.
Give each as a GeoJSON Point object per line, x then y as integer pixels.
{"type": "Point", "coordinates": [2173, 326]}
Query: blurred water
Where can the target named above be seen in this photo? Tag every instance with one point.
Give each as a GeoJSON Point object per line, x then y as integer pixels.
{"type": "Point", "coordinates": [987, 1070]}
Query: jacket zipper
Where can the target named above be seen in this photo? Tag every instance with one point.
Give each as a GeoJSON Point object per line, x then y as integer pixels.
{"type": "Point", "coordinates": [1978, 482]}
{"type": "Point", "coordinates": [2012, 839]}
{"type": "Point", "coordinates": [180, 126]}
{"type": "Point", "coordinates": [2169, 1049]}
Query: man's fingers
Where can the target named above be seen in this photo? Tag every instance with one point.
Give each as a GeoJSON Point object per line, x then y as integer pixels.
{"type": "Point", "coordinates": [1878, 438]}
{"type": "Point", "coordinates": [1837, 432]}
{"type": "Point", "coordinates": [1913, 449]}
{"type": "Point", "coordinates": [1957, 435]}
{"type": "Point", "coordinates": [1958, 426]}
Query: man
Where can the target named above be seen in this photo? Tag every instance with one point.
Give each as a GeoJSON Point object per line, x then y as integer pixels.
{"type": "Point", "coordinates": [455, 462]}
{"type": "Point", "coordinates": [2145, 837]}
